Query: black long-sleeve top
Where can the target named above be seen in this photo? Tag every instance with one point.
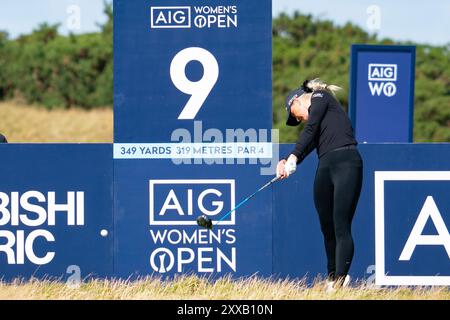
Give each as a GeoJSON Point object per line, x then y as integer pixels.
{"type": "Point", "coordinates": [328, 127]}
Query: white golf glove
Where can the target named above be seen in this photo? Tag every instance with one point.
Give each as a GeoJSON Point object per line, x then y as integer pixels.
{"type": "Point", "coordinates": [290, 166]}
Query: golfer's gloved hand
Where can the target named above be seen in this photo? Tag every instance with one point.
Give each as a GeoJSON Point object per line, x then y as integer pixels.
{"type": "Point", "coordinates": [290, 166]}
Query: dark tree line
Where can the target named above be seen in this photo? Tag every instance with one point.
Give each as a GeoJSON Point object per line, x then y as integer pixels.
{"type": "Point", "coordinates": [58, 71]}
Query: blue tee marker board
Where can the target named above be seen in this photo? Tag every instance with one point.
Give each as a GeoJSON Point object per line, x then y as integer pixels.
{"type": "Point", "coordinates": [176, 62]}
{"type": "Point", "coordinates": [190, 72]}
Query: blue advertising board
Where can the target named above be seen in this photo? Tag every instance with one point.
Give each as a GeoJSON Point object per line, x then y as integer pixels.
{"type": "Point", "coordinates": [56, 199]}
{"type": "Point", "coordinates": [180, 61]}
{"type": "Point", "coordinates": [192, 95]}
{"type": "Point", "coordinates": [416, 248]}
{"type": "Point", "coordinates": [156, 207]}
{"type": "Point", "coordinates": [56, 211]}
{"type": "Point", "coordinates": [401, 225]}
{"type": "Point", "coordinates": [382, 93]}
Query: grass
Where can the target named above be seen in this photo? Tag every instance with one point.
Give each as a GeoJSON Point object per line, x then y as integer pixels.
{"type": "Point", "coordinates": [194, 287]}
{"type": "Point", "coordinates": [21, 124]}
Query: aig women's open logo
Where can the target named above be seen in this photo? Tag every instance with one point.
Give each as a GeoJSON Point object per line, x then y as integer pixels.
{"type": "Point", "coordinates": [198, 16]}
{"type": "Point", "coordinates": [382, 79]}
{"type": "Point", "coordinates": [183, 248]}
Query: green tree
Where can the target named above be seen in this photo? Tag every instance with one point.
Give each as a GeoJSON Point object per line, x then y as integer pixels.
{"type": "Point", "coordinates": [305, 48]}
{"type": "Point", "coordinates": [57, 71]}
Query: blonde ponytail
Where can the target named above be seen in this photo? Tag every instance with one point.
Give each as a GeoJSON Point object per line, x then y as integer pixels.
{"type": "Point", "coordinates": [317, 84]}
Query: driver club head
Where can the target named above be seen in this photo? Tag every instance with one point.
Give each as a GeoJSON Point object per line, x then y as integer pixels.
{"type": "Point", "coordinates": [205, 222]}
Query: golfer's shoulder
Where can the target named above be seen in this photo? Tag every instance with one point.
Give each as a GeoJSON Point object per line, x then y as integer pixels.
{"type": "Point", "coordinates": [325, 98]}
{"type": "Point", "coordinates": [321, 95]}
{"type": "Point", "coordinates": [322, 98]}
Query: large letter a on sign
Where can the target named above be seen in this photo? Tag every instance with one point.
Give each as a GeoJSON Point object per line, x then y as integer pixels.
{"type": "Point", "coordinates": [429, 210]}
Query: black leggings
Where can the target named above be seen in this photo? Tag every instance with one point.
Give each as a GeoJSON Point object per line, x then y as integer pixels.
{"type": "Point", "coordinates": [336, 192]}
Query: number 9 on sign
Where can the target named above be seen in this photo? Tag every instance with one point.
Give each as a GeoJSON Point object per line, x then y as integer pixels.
{"type": "Point", "coordinates": [198, 90]}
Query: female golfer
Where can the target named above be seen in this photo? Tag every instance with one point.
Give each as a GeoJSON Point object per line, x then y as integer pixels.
{"type": "Point", "coordinates": [338, 177]}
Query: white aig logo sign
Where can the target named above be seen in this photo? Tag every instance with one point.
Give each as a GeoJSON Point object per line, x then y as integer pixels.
{"type": "Point", "coordinates": [382, 79]}
{"type": "Point", "coordinates": [170, 17]}
{"type": "Point", "coordinates": [180, 202]}
{"type": "Point", "coordinates": [178, 245]}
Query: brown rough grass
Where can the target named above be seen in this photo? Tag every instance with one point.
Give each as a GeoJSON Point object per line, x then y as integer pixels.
{"type": "Point", "coordinates": [194, 287]}
{"type": "Point", "coordinates": [21, 124]}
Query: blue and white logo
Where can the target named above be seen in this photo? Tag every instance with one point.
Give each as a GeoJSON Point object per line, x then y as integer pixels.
{"type": "Point", "coordinates": [382, 78]}
{"type": "Point", "coordinates": [174, 206]}
{"type": "Point", "coordinates": [180, 202]}
{"type": "Point", "coordinates": [162, 260]}
{"type": "Point", "coordinates": [200, 17]}
{"type": "Point", "coordinates": [412, 220]}
{"type": "Point", "coordinates": [170, 17]}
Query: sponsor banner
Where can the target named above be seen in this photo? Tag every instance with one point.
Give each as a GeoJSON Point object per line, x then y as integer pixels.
{"type": "Point", "coordinates": [54, 204]}
{"type": "Point", "coordinates": [401, 225]}
{"type": "Point", "coordinates": [201, 97]}
{"type": "Point", "coordinates": [382, 93]}
{"type": "Point", "coordinates": [405, 247]}
{"type": "Point", "coordinates": [176, 62]}
{"type": "Point", "coordinates": [238, 150]}
{"type": "Point", "coordinates": [54, 200]}
{"type": "Point", "coordinates": [156, 207]}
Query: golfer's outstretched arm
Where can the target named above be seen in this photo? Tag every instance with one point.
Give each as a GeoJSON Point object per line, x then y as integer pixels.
{"type": "Point", "coordinates": [309, 136]}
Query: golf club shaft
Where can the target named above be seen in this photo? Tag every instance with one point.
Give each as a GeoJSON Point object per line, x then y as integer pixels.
{"type": "Point", "coordinates": [248, 198]}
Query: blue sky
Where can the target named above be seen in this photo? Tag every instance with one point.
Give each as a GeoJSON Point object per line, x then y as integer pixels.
{"type": "Point", "coordinates": [22, 16]}
{"type": "Point", "coordinates": [420, 21]}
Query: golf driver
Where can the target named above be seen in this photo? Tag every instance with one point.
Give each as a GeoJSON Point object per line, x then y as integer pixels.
{"type": "Point", "coordinates": [206, 222]}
